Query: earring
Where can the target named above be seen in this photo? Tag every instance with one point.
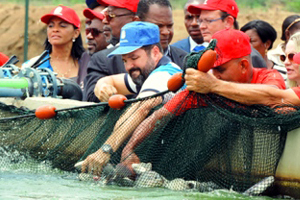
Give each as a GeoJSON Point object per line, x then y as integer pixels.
{"type": "Point", "coordinates": [73, 39]}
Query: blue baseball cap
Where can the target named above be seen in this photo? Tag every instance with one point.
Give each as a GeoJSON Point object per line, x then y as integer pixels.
{"type": "Point", "coordinates": [135, 35]}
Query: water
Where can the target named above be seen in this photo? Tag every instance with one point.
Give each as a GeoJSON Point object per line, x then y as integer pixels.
{"type": "Point", "coordinates": [23, 178]}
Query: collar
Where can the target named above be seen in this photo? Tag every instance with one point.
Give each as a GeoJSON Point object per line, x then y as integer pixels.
{"type": "Point", "coordinates": [111, 46]}
{"type": "Point", "coordinates": [167, 52]}
{"type": "Point", "coordinates": [193, 44]}
{"type": "Point", "coordinates": [163, 61]}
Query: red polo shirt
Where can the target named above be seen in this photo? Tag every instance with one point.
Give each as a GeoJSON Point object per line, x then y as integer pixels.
{"type": "Point", "coordinates": [179, 103]}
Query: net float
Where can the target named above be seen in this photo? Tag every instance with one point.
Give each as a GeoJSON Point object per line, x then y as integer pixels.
{"type": "Point", "coordinates": [117, 101]}
{"type": "Point", "coordinates": [45, 112]}
{"type": "Point", "coordinates": [175, 82]}
{"type": "Point", "coordinates": [207, 61]}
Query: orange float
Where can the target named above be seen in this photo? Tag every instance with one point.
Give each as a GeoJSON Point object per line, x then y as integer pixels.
{"type": "Point", "coordinates": [45, 112]}
{"type": "Point", "coordinates": [117, 101]}
{"type": "Point", "coordinates": [205, 63]}
{"type": "Point", "coordinates": [175, 82]}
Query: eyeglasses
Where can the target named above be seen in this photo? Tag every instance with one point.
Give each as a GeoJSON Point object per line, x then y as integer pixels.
{"type": "Point", "coordinates": [208, 21]}
{"type": "Point", "coordinates": [290, 57]}
{"type": "Point", "coordinates": [95, 32]}
{"type": "Point", "coordinates": [110, 16]}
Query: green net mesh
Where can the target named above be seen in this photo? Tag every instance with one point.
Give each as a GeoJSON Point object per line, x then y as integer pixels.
{"type": "Point", "coordinates": [215, 140]}
{"type": "Point", "coordinates": [204, 142]}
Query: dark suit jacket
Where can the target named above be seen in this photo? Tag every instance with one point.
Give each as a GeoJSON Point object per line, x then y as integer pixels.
{"type": "Point", "coordinates": [100, 66]}
{"type": "Point", "coordinates": [83, 62]}
{"type": "Point", "coordinates": [183, 44]}
{"type": "Point", "coordinates": [177, 56]}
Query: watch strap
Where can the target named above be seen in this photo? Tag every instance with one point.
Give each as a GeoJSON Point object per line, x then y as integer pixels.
{"type": "Point", "coordinates": [106, 148]}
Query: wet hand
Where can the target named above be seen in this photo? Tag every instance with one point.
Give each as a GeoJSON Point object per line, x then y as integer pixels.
{"type": "Point", "coordinates": [103, 91]}
{"type": "Point", "coordinates": [95, 162]}
{"type": "Point", "coordinates": [198, 81]}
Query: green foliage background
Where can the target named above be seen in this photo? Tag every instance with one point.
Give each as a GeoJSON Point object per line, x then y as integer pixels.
{"type": "Point", "coordinates": [292, 5]}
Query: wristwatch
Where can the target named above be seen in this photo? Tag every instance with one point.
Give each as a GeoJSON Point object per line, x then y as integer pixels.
{"type": "Point", "coordinates": [106, 148]}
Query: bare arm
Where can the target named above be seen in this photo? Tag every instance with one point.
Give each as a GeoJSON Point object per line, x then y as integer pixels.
{"type": "Point", "coordinates": [244, 93]}
{"type": "Point", "coordinates": [143, 130]}
{"type": "Point", "coordinates": [130, 120]}
{"type": "Point", "coordinates": [109, 85]}
{"type": "Point", "coordinates": [135, 114]}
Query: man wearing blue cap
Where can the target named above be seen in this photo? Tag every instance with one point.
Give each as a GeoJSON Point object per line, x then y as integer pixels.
{"type": "Point", "coordinates": [158, 12]}
{"type": "Point", "coordinates": [148, 73]}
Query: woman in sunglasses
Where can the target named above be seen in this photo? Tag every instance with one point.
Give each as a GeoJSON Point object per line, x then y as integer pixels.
{"type": "Point", "coordinates": [63, 43]}
{"type": "Point", "coordinates": [290, 26]}
{"type": "Point", "coordinates": [291, 60]}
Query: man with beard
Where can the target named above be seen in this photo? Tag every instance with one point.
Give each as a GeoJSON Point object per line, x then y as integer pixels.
{"type": "Point", "coordinates": [158, 12]}
{"type": "Point", "coordinates": [194, 42]}
{"type": "Point", "coordinates": [96, 40]}
{"type": "Point", "coordinates": [149, 71]}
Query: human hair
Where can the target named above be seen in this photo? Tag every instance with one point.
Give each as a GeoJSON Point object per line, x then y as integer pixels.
{"type": "Point", "coordinates": [77, 48]}
{"type": "Point", "coordinates": [295, 38]}
{"type": "Point", "coordinates": [235, 23]}
{"type": "Point", "coordinates": [286, 23]}
{"type": "Point", "coordinates": [148, 48]}
{"type": "Point", "coordinates": [264, 30]}
{"type": "Point", "coordinates": [144, 5]}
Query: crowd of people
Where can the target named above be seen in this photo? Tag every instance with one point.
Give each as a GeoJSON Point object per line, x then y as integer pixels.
{"type": "Point", "coordinates": [130, 52]}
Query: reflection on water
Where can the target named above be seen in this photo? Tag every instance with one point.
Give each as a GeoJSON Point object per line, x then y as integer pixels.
{"type": "Point", "coordinates": [24, 178]}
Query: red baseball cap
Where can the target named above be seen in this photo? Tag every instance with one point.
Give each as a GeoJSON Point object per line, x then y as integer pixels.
{"type": "Point", "coordinates": [231, 44]}
{"type": "Point", "coordinates": [128, 4]}
{"type": "Point", "coordinates": [228, 6]}
{"type": "Point", "coordinates": [3, 59]}
{"type": "Point", "coordinates": [65, 13]}
{"type": "Point", "coordinates": [90, 14]}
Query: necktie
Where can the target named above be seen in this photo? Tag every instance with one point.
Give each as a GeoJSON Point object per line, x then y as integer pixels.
{"type": "Point", "coordinates": [198, 48]}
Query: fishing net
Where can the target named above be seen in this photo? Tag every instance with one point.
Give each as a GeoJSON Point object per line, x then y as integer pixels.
{"type": "Point", "coordinates": [202, 138]}
{"type": "Point", "coordinates": [214, 140]}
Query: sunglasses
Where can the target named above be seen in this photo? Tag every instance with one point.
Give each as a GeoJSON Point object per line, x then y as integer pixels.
{"type": "Point", "coordinates": [110, 16]}
{"type": "Point", "coordinates": [95, 32]}
{"type": "Point", "coordinates": [290, 56]}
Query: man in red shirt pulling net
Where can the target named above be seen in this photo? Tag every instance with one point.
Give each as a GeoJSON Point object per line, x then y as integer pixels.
{"type": "Point", "coordinates": [233, 65]}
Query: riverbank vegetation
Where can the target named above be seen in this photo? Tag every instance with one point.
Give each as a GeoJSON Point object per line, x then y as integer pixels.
{"type": "Point", "coordinates": [292, 6]}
